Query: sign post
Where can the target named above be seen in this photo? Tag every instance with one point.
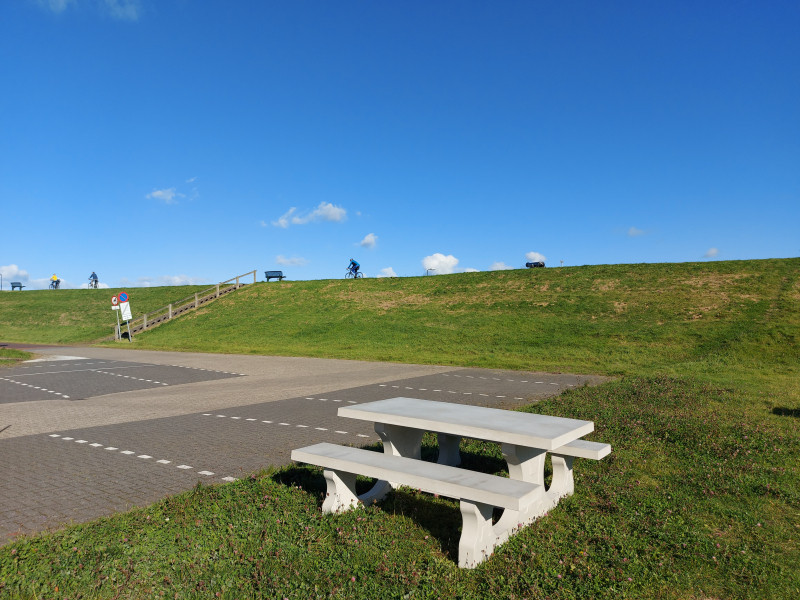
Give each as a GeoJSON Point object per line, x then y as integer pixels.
{"type": "Point", "coordinates": [125, 309]}
{"type": "Point", "coordinates": [115, 306]}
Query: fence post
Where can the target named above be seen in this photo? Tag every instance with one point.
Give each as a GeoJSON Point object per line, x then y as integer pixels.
{"type": "Point", "coordinates": [217, 290]}
{"type": "Point", "coordinates": [196, 303]}
{"type": "Point", "coordinates": [144, 321]}
{"type": "Point", "coordinates": [170, 311]}
{"type": "Point", "coordinates": [254, 276]}
{"type": "Point", "coordinates": [237, 282]}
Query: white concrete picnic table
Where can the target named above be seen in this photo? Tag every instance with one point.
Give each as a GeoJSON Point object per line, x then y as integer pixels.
{"type": "Point", "coordinates": [524, 438]}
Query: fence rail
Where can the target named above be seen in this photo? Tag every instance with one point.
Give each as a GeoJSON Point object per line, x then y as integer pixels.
{"type": "Point", "coordinates": [175, 309]}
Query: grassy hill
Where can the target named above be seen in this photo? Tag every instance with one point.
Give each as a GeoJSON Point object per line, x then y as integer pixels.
{"type": "Point", "coordinates": [717, 320]}
{"type": "Point", "coordinates": [700, 498]}
{"type": "Point", "coordinates": [74, 316]}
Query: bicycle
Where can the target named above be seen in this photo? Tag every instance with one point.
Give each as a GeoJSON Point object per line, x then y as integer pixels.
{"type": "Point", "coordinates": [54, 285]}
{"type": "Point", "coordinates": [353, 274]}
{"type": "Point", "coordinates": [93, 283]}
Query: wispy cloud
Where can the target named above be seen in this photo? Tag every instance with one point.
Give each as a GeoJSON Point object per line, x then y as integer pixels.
{"type": "Point", "coordinates": [324, 212]}
{"type": "Point", "coordinates": [500, 266]}
{"type": "Point", "coordinates": [56, 6]}
{"type": "Point", "coordinates": [387, 272]}
{"type": "Point", "coordinates": [711, 253]}
{"type": "Point", "coordinates": [167, 196]}
{"type": "Point", "coordinates": [369, 241]}
{"type": "Point", "coordinates": [439, 263]}
{"type": "Point", "coordinates": [123, 10]}
{"type": "Point", "coordinates": [635, 232]}
{"type": "Point", "coordinates": [294, 261]}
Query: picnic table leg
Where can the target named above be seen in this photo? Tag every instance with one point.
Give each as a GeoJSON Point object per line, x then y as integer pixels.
{"type": "Point", "coordinates": [449, 453]}
{"type": "Point", "coordinates": [397, 441]}
{"type": "Point", "coordinates": [524, 464]}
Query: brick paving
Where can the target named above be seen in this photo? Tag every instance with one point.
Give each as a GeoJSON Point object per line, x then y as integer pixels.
{"type": "Point", "coordinates": [69, 461]}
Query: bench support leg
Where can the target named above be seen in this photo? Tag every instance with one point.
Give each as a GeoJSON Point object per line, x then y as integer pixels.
{"type": "Point", "coordinates": [341, 492]}
{"type": "Point", "coordinates": [563, 483]}
{"type": "Point", "coordinates": [478, 538]}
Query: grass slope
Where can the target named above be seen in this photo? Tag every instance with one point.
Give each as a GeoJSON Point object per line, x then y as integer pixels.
{"type": "Point", "coordinates": [74, 316]}
{"type": "Point", "coordinates": [700, 498]}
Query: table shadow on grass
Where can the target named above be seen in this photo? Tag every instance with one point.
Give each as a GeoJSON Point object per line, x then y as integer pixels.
{"type": "Point", "coordinates": [782, 411]}
{"type": "Point", "coordinates": [439, 517]}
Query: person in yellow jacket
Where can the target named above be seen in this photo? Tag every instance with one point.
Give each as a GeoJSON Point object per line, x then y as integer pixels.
{"type": "Point", "coordinates": [55, 282]}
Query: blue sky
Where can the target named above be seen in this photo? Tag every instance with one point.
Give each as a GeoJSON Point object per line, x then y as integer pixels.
{"type": "Point", "coordinates": [174, 141]}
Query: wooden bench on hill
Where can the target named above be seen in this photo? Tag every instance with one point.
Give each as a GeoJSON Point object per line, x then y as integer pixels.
{"type": "Point", "coordinates": [16, 285]}
{"type": "Point", "coordinates": [274, 275]}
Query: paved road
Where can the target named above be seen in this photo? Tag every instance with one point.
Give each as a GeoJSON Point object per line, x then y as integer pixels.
{"type": "Point", "coordinates": [86, 432]}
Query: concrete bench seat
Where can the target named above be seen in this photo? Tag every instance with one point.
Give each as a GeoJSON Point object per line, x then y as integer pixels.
{"type": "Point", "coordinates": [478, 493]}
{"type": "Point", "coordinates": [584, 449]}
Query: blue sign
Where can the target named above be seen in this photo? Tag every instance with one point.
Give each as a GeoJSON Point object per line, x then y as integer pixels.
{"type": "Point", "coordinates": [123, 297]}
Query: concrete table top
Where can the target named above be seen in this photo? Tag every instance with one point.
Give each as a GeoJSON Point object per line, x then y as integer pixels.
{"type": "Point", "coordinates": [477, 422]}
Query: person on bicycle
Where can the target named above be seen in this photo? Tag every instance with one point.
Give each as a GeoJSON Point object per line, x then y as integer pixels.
{"type": "Point", "coordinates": [93, 280]}
{"type": "Point", "coordinates": [55, 281]}
{"type": "Point", "coordinates": [354, 266]}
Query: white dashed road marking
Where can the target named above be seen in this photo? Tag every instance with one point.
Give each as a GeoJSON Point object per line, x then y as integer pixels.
{"type": "Point", "coordinates": [299, 426]}
{"type": "Point", "coordinates": [131, 452]}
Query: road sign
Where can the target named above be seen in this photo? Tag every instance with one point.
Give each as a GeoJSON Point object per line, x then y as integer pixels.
{"type": "Point", "coordinates": [126, 311]}
{"type": "Point", "coordinates": [123, 296]}
{"type": "Point", "coordinates": [114, 300]}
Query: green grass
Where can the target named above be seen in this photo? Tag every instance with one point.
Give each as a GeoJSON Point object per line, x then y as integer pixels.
{"type": "Point", "coordinates": [10, 357]}
{"type": "Point", "coordinates": [700, 498]}
{"type": "Point", "coordinates": [75, 316]}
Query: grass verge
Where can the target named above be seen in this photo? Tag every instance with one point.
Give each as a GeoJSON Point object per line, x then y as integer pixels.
{"type": "Point", "coordinates": [693, 503]}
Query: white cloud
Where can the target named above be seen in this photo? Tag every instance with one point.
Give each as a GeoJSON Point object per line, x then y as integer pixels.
{"type": "Point", "coordinates": [164, 280]}
{"type": "Point", "coordinates": [439, 263]}
{"type": "Point", "coordinates": [324, 212]}
{"type": "Point", "coordinates": [535, 257]}
{"type": "Point", "coordinates": [283, 221]}
{"type": "Point", "coordinates": [500, 266]}
{"type": "Point", "coordinates": [387, 272]}
{"type": "Point", "coordinates": [369, 241]}
{"type": "Point", "coordinates": [13, 272]}
{"type": "Point", "coordinates": [294, 261]}
{"type": "Point", "coordinates": [635, 232]}
{"type": "Point", "coordinates": [57, 6]}
{"type": "Point", "coordinates": [126, 10]}
{"type": "Point", "coordinates": [711, 253]}
{"type": "Point", "coordinates": [168, 196]}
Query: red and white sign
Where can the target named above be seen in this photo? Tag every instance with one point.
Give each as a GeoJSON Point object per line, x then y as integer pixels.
{"type": "Point", "coordinates": [124, 306]}
{"type": "Point", "coordinates": [114, 302]}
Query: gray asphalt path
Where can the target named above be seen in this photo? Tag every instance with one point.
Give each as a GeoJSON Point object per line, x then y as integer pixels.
{"type": "Point", "coordinates": [87, 432]}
